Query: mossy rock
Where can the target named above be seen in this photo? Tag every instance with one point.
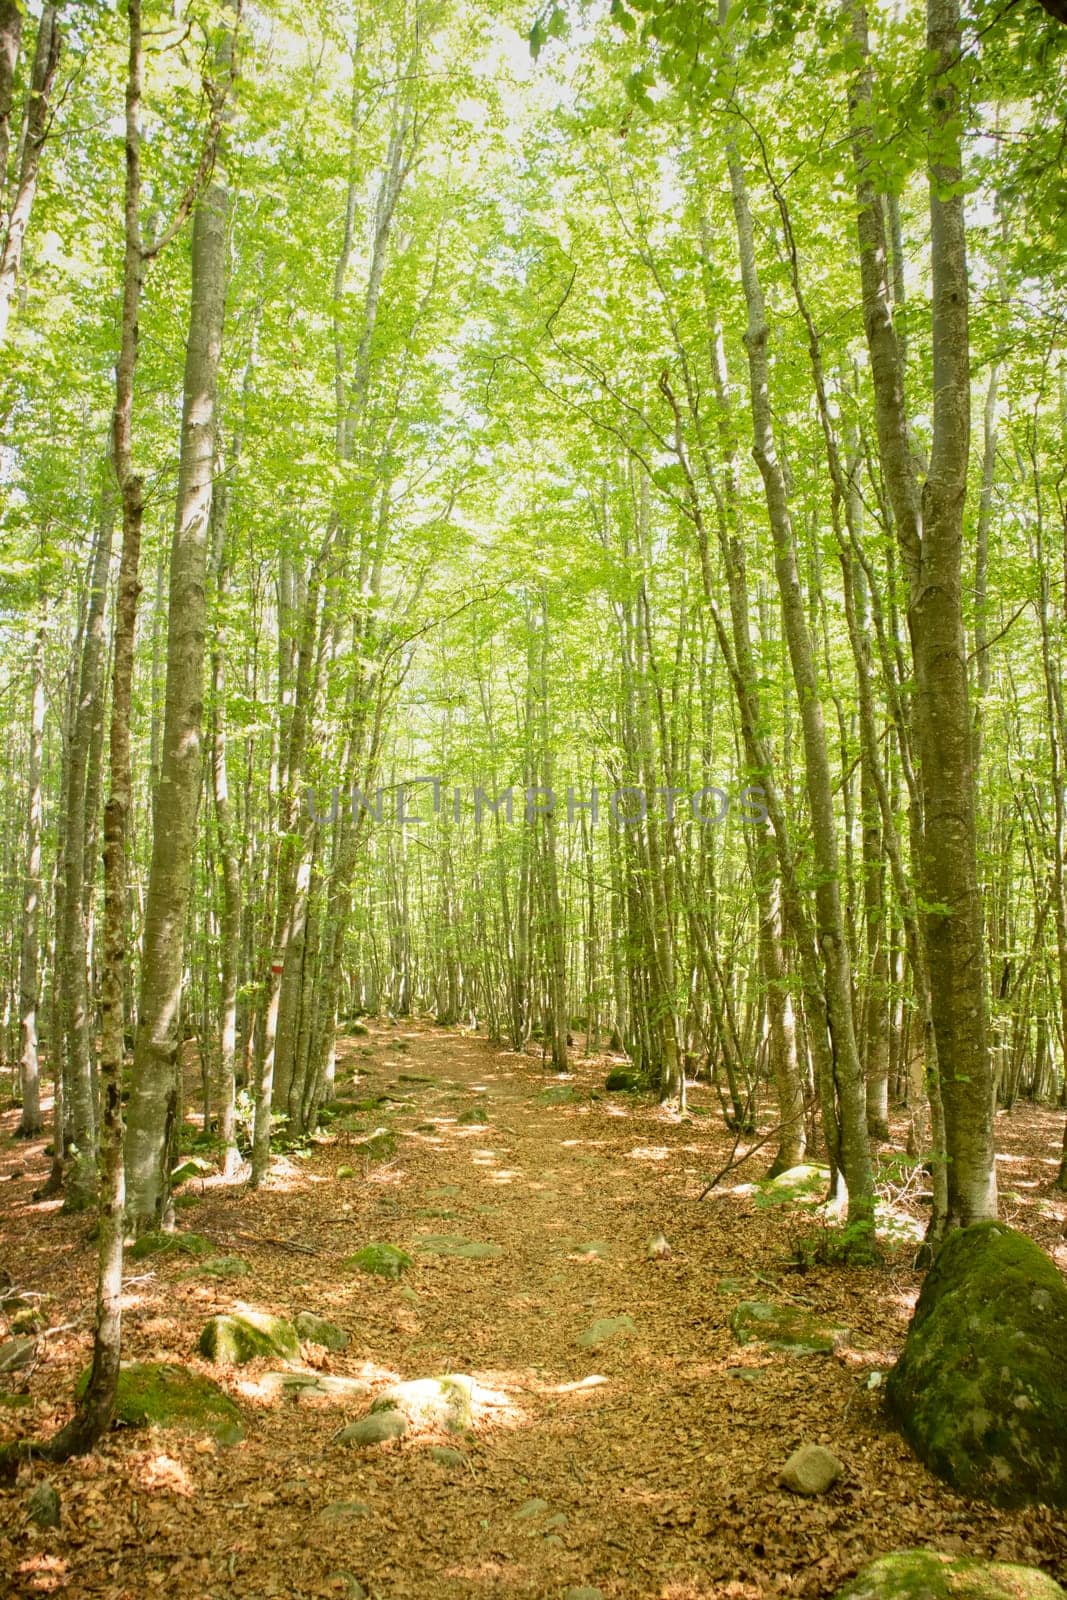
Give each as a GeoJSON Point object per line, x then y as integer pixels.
{"type": "Point", "coordinates": [431, 1402]}
{"type": "Point", "coordinates": [159, 1394]}
{"type": "Point", "coordinates": [474, 1115]}
{"type": "Point", "coordinates": [232, 1339]}
{"type": "Point", "coordinates": [171, 1244]}
{"type": "Point", "coordinates": [382, 1260]}
{"type": "Point", "coordinates": [557, 1095]}
{"type": "Point", "coordinates": [605, 1329]}
{"type": "Point", "coordinates": [194, 1167]}
{"type": "Point", "coordinates": [925, 1575]}
{"type": "Point", "coordinates": [784, 1328]}
{"type": "Point", "coordinates": [453, 1244]}
{"type": "Point", "coordinates": [345, 1172]}
{"type": "Point", "coordinates": [806, 1184]}
{"type": "Point", "coordinates": [622, 1080]}
{"type": "Point", "coordinates": [980, 1390]}
{"type": "Point", "coordinates": [316, 1330]}
{"type": "Point", "coordinates": [222, 1267]}
{"type": "Point", "coordinates": [379, 1147]}
{"type": "Point", "coordinates": [378, 1428]}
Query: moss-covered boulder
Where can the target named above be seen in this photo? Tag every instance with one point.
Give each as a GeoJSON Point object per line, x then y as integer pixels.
{"type": "Point", "coordinates": [171, 1244]}
{"type": "Point", "coordinates": [236, 1337]}
{"type": "Point", "coordinates": [980, 1390]}
{"type": "Point", "coordinates": [807, 1184]}
{"type": "Point", "coordinates": [474, 1116]}
{"type": "Point", "coordinates": [784, 1328]}
{"type": "Point", "coordinates": [222, 1267]}
{"type": "Point", "coordinates": [926, 1575]}
{"type": "Point", "coordinates": [159, 1394]}
{"type": "Point", "coordinates": [431, 1402]}
{"type": "Point", "coordinates": [381, 1260]}
{"type": "Point", "coordinates": [316, 1330]}
{"type": "Point", "coordinates": [622, 1080]}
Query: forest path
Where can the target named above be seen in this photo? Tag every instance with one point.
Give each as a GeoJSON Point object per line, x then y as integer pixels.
{"type": "Point", "coordinates": [655, 1453]}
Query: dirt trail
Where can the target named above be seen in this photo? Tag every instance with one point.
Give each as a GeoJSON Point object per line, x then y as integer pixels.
{"type": "Point", "coordinates": [655, 1453]}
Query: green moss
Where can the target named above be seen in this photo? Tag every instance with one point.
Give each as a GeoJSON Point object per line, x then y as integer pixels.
{"type": "Point", "coordinates": [925, 1575]}
{"type": "Point", "coordinates": [379, 1147]}
{"type": "Point", "coordinates": [171, 1244]}
{"type": "Point", "coordinates": [475, 1115]}
{"type": "Point", "coordinates": [622, 1080]}
{"type": "Point", "coordinates": [561, 1095]}
{"type": "Point", "coordinates": [783, 1328]}
{"type": "Point", "coordinates": [165, 1396]}
{"type": "Point", "coordinates": [222, 1267]}
{"type": "Point", "coordinates": [233, 1339]}
{"type": "Point", "coordinates": [980, 1390]}
{"type": "Point", "coordinates": [382, 1260]}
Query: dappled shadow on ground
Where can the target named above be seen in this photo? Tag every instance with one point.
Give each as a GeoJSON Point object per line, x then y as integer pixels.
{"type": "Point", "coordinates": [643, 1461]}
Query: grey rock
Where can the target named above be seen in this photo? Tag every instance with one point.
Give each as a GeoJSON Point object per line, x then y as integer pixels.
{"type": "Point", "coordinates": [316, 1330]}
{"type": "Point", "coordinates": [344, 1511]}
{"type": "Point", "coordinates": [16, 1354]}
{"type": "Point", "coordinates": [605, 1329]}
{"type": "Point", "coordinates": [532, 1508]}
{"type": "Point", "coordinates": [811, 1469]}
{"type": "Point", "coordinates": [375, 1429]}
{"type": "Point", "coordinates": [43, 1507]}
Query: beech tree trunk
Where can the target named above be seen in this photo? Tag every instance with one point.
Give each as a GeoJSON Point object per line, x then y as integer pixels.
{"type": "Point", "coordinates": [929, 528]}
{"type": "Point", "coordinates": [29, 981]}
{"type": "Point", "coordinates": [154, 1096]}
{"type": "Point", "coordinates": [34, 133]}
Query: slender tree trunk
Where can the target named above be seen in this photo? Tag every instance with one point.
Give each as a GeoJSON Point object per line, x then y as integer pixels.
{"type": "Point", "coordinates": [155, 1097]}
{"type": "Point", "coordinates": [97, 1405]}
{"type": "Point", "coordinates": [833, 945]}
{"type": "Point", "coordinates": [34, 134]}
{"type": "Point", "coordinates": [29, 983]}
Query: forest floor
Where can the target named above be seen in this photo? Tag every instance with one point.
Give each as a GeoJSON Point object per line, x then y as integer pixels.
{"type": "Point", "coordinates": [655, 1454]}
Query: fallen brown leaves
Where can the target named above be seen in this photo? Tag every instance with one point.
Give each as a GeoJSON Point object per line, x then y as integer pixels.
{"type": "Point", "coordinates": [656, 1452]}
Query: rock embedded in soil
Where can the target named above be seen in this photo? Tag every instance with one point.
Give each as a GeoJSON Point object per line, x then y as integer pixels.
{"type": "Point", "coordinates": [379, 1427]}
{"type": "Point", "coordinates": [454, 1244]}
{"type": "Point", "coordinates": [806, 1184]}
{"type": "Point", "coordinates": [445, 1456]}
{"type": "Point", "coordinates": [42, 1506]}
{"type": "Point", "coordinates": [164, 1395]}
{"type": "Point", "coordinates": [926, 1575]}
{"type": "Point", "coordinates": [980, 1389]}
{"type": "Point", "coordinates": [298, 1385]}
{"type": "Point", "coordinates": [17, 1353]}
{"type": "Point", "coordinates": [316, 1330]}
{"type": "Point", "coordinates": [234, 1338]}
{"type": "Point", "coordinates": [341, 1511]}
{"type": "Point", "coordinates": [810, 1470]}
{"type": "Point", "coordinates": [171, 1244]}
{"type": "Point", "coordinates": [788, 1328]}
{"type": "Point", "coordinates": [431, 1402]}
{"type": "Point", "coordinates": [622, 1080]}
{"type": "Point", "coordinates": [380, 1260]}
{"type": "Point", "coordinates": [605, 1329]}
{"type": "Point", "coordinates": [532, 1508]}
{"type": "Point", "coordinates": [582, 1593]}
{"type": "Point", "coordinates": [222, 1267]}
